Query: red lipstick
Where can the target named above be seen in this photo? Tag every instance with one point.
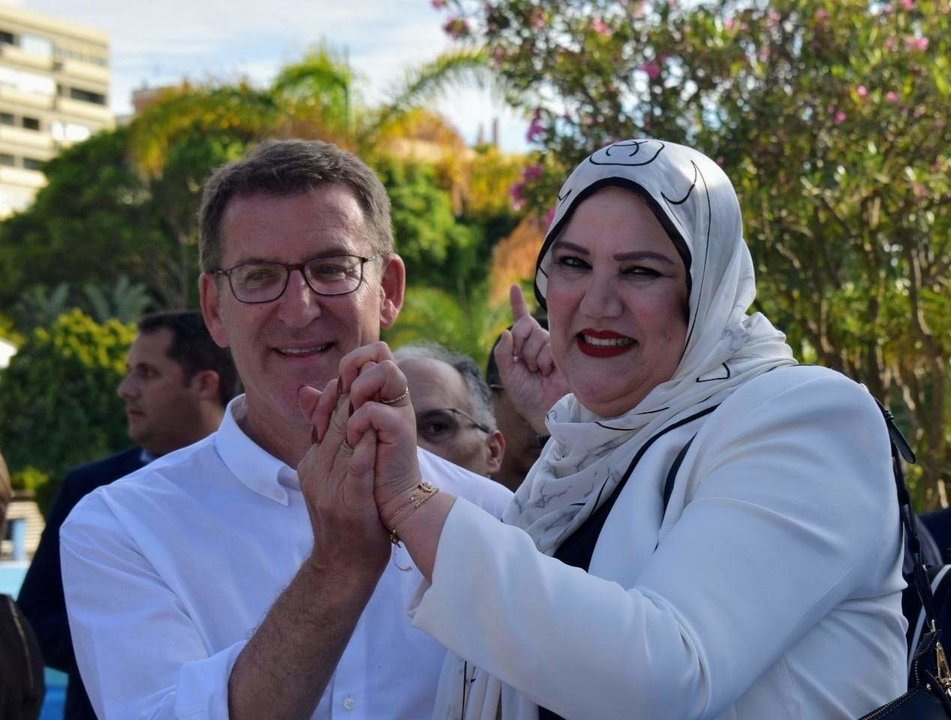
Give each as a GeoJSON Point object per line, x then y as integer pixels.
{"type": "Point", "coordinates": [603, 343]}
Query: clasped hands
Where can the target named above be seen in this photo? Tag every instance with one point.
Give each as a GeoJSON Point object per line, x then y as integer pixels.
{"type": "Point", "coordinates": [363, 465]}
{"type": "Point", "coordinates": [363, 461]}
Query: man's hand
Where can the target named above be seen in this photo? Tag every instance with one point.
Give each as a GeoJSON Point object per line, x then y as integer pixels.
{"type": "Point", "coordinates": [526, 366]}
{"type": "Point", "coordinates": [337, 481]}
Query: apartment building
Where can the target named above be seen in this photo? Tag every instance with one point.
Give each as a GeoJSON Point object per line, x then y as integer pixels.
{"type": "Point", "coordinates": [54, 91]}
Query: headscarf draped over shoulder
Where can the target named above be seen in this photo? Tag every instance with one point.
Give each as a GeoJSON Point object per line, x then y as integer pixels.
{"type": "Point", "coordinates": [725, 347]}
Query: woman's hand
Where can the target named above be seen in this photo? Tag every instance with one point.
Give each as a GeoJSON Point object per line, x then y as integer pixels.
{"type": "Point", "coordinates": [526, 366]}
{"type": "Point", "coordinates": [381, 404]}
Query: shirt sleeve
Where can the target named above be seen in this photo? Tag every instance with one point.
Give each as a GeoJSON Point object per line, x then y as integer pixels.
{"type": "Point", "coordinates": [787, 503]}
{"type": "Point", "coordinates": [138, 652]}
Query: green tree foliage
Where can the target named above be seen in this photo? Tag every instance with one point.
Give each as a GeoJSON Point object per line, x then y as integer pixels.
{"type": "Point", "coordinates": [833, 120]}
{"type": "Point", "coordinates": [468, 325]}
{"type": "Point", "coordinates": [58, 399]}
{"type": "Point", "coordinates": [438, 250]}
{"type": "Point", "coordinates": [90, 224]}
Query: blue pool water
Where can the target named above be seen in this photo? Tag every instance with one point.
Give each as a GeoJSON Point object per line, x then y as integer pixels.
{"type": "Point", "coordinates": [11, 577]}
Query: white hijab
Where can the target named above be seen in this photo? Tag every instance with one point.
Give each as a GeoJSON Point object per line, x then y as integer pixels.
{"type": "Point", "coordinates": [587, 455]}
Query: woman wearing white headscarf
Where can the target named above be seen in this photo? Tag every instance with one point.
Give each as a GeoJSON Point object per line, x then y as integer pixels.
{"type": "Point", "coordinates": [735, 513]}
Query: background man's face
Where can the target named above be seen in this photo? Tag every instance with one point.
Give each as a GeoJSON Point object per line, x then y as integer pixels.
{"type": "Point", "coordinates": [435, 387]}
{"type": "Point", "coordinates": [162, 407]}
{"type": "Point", "coordinates": [299, 338]}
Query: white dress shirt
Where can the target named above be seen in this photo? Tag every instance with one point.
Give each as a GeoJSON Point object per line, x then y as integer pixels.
{"type": "Point", "coordinates": [169, 571]}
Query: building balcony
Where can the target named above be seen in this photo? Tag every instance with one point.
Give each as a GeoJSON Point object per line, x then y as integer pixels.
{"type": "Point", "coordinates": [100, 115]}
{"type": "Point", "coordinates": [86, 71]}
{"type": "Point", "coordinates": [19, 137]}
{"type": "Point", "coordinates": [20, 177]}
{"type": "Point", "coordinates": [20, 58]}
{"type": "Point", "coordinates": [23, 99]}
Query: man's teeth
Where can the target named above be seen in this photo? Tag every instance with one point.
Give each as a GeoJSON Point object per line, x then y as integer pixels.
{"type": "Point", "coordinates": [303, 351]}
{"type": "Point", "coordinates": [608, 342]}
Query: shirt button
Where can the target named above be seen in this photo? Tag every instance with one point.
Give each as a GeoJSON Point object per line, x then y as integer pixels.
{"type": "Point", "coordinates": [348, 703]}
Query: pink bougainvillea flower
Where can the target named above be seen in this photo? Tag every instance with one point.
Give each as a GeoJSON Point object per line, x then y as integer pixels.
{"type": "Point", "coordinates": [891, 96]}
{"type": "Point", "coordinates": [772, 18]}
{"type": "Point", "coordinates": [821, 14]}
{"type": "Point", "coordinates": [456, 28]}
{"type": "Point", "coordinates": [728, 24]}
{"type": "Point", "coordinates": [601, 27]}
{"type": "Point", "coordinates": [517, 194]}
{"type": "Point", "coordinates": [840, 117]}
{"type": "Point", "coordinates": [908, 4]}
{"type": "Point", "coordinates": [652, 69]}
{"type": "Point", "coordinates": [861, 91]}
{"type": "Point", "coordinates": [531, 173]}
{"type": "Point", "coordinates": [916, 43]}
{"type": "Point", "coordinates": [498, 56]}
{"type": "Point", "coordinates": [891, 43]}
{"type": "Point", "coordinates": [440, 4]}
{"type": "Point", "coordinates": [535, 127]}
{"type": "Point", "coordinates": [923, 43]}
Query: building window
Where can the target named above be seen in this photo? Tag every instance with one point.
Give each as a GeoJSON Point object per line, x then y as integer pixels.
{"type": "Point", "coordinates": [7, 160]}
{"type": "Point", "coordinates": [87, 96]}
{"type": "Point", "coordinates": [32, 164]}
{"type": "Point", "coordinates": [7, 119]}
{"type": "Point", "coordinates": [31, 123]}
{"type": "Point", "coordinates": [7, 38]}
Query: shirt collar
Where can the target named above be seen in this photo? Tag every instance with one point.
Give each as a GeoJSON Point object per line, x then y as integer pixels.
{"type": "Point", "coordinates": [256, 468]}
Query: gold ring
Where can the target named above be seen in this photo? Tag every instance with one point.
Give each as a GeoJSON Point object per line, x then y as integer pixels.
{"type": "Point", "coordinates": [398, 398]}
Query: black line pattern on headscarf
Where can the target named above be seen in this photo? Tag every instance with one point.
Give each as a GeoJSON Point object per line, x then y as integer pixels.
{"type": "Point", "coordinates": [636, 144]}
{"type": "Point", "coordinates": [698, 177]}
{"type": "Point", "coordinates": [722, 377]}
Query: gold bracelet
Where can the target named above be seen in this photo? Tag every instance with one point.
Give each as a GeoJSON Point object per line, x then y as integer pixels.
{"type": "Point", "coordinates": [420, 494]}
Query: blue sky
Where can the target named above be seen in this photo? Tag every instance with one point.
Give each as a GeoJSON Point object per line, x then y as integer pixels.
{"type": "Point", "coordinates": [156, 42]}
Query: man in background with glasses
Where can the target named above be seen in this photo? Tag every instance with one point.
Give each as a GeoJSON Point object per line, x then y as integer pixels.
{"type": "Point", "coordinates": [219, 582]}
{"type": "Point", "coordinates": [453, 407]}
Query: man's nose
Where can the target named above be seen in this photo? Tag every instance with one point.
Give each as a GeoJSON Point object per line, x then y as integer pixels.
{"type": "Point", "coordinates": [299, 304]}
{"type": "Point", "coordinates": [126, 387]}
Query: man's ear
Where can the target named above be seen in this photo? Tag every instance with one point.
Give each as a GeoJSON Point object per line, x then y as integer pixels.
{"type": "Point", "coordinates": [208, 384]}
{"type": "Point", "coordinates": [392, 289]}
{"type": "Point", "coordinates": [208, 292]}
{"type": "Point", "coordinates": [496, 445]}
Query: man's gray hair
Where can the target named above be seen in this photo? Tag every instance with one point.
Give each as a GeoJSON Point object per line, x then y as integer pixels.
{"type": "Point", "coordinates": [480, 397]}
{"type": "Point", "coordinates": [283, 168]}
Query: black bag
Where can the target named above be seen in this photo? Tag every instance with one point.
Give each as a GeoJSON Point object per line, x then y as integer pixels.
{"type": "Point", "coordinates": [929, 682]}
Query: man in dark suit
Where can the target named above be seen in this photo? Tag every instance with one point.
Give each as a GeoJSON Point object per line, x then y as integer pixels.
{"type": "Point", "coordinates": [175, 390]}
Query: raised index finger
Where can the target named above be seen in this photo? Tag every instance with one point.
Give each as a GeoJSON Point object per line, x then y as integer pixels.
{"type": "Point", "coordinates": [519, 306]}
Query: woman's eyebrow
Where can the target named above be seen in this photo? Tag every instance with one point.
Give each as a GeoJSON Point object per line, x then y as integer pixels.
{"type": "Point", "coordinates": [644, 255]}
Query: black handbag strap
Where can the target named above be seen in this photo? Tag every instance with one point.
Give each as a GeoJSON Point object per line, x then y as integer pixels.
{"type": "Point", "coordinates": [901, 451]}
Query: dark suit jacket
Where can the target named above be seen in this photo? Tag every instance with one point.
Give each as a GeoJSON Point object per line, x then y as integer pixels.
{"type": "Point", "coordinates": [939, 525]}
{"type": "Point", "coordinates": [41, 597]}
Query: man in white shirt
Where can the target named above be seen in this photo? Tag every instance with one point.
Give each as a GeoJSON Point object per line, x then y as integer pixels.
{"type": "Point", "coordinates": [211, 584]}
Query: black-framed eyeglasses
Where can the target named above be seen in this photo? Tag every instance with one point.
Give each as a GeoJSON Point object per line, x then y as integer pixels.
{"type": "Point", "coordinates": [261, 282]}
{"type": "Point", "coordinates": [440, 425]}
